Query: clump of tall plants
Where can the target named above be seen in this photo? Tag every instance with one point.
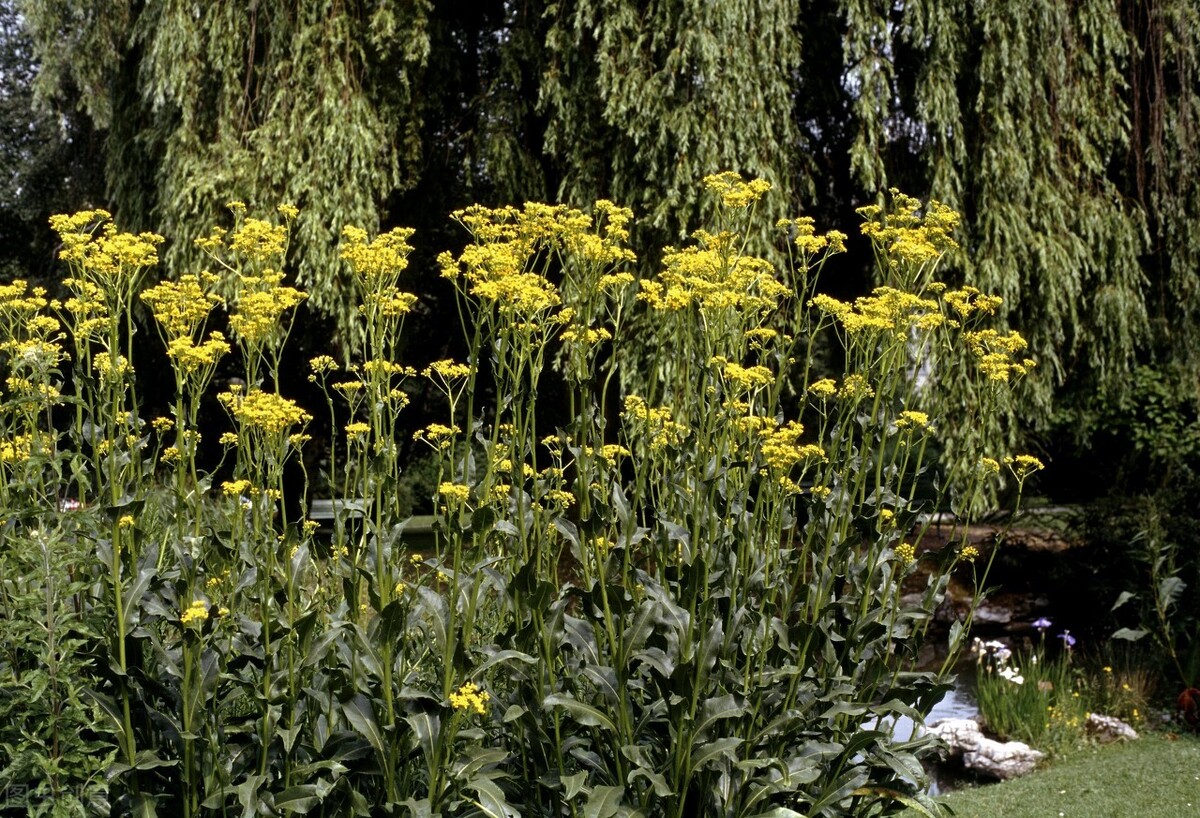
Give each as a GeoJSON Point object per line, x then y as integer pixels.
{"type": "Point", "coordinates": [686, 599]}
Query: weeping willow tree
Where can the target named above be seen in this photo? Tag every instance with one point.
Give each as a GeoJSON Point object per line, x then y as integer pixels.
{"type": "Point", "coordinates": [1065, 132]}
{"type": "Point", "coordinates": [644, 99]}
{"type": "Point", "coordinates": [308, 102]}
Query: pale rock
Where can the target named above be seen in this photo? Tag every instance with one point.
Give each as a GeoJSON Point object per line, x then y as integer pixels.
{"type": "Point", "coordinates": [980, 754]}
{"type": "Point", "coordinates": [1107, 728]}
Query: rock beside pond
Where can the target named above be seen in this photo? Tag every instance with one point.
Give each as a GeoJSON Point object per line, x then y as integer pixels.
{"type": "Point", "coordinates": [1107, 728]}
{"type": "Point", "coordinates": [997, 759]}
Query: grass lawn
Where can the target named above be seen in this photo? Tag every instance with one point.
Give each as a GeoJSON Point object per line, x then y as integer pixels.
{"type": "Point", "coordinates": [1154, 777]}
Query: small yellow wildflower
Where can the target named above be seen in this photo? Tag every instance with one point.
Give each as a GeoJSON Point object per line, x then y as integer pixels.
{"type": "Point", "coordinates": [1023, 465]}
{"type": "Point", "coordinates": [912, 420]}
{"type": "Point", "coordinates": [905, 553]}
{"type": "Point", "coordinates": [970, 553]}
{"type": "Point", "coordinates": [162, 424]}
{"type": "Point", "coordinates": [470, 697]}
{"type": "Point", "coordinates": [126, 521]}
{"type": "Point", "coordinates": [455, 492]}
{"type": "Point", "coordinates": [855, 387]}
{"type": "Point", "coordinates": [232, 488]}
{"type": "Point", "coordinates": [824, 388]}
{"type": "Point", "coordinates": [196, 614]}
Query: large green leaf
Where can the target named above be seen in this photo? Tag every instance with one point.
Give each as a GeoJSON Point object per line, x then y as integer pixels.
{"type": "Point", "coordinates": [581, 712]}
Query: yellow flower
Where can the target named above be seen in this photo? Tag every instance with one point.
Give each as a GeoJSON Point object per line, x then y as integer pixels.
{"type": "Point", "coordinates": [322, 364]}
{"type": "Point", "coordinates": [470, 697]}
{"type": "Point", "coordinates": [126, 521]}
{"type": "Point", "coordinates": [969, 553]}
{"type": "Point", "coordinates": [905, 553]}
{"type": "Point", "coordinates": [162, 424]}
{"type": "Point", "coordinates": [182, 306]}
{"type": "Point", "coordinates": [447, 370]}
{"type": "Point", "coordinates": [1023, 465]}
{"type": "Point", "coordinates": [232, 488]}
{"type": "Point", "coordinates": [855, 387]}
{"type": "Point", "coordinates": [912, 420]}
{"type": "Point", "coordinates": [196, 614]}
{"type": "Point", "coordinates": [824, 388]}
{"type": "Point", "coordinates": [456, 492]}
{"type": "Point", "coordinates": [267, 411]}
{"type": "Point", "coordinates": [437, 435]}
{"type": "Point", "coordinates": [736, 192]}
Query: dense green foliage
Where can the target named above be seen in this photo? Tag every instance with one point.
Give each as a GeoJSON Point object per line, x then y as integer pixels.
{"type": "Point", "coordinates": [1065, 133]}
{"type": "Point", "coordinates": [686, 597]}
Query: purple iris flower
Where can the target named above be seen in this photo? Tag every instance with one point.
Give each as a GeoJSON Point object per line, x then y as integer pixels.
{"type": "Point", "coordinates": [1041, 623]}
{"type": "Point", "coordinates": [1067, 638]}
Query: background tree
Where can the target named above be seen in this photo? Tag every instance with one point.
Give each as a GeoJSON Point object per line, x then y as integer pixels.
{"type": "Point", "coordinates": [1064, 132]}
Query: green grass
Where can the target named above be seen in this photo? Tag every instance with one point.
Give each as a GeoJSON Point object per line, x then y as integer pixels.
{"type": "Point", "coordinates": [1154, 777]}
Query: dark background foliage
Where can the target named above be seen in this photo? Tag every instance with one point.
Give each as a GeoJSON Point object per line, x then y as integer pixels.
{"type": "Point", "coordinates": [1064, 132]}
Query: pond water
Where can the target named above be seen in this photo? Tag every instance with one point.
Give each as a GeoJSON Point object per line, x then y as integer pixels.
{"type": "Point", "coordinates": [958, 703]}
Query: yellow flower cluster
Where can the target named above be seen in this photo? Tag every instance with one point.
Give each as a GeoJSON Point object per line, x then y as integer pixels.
{"type": "Point", "coordinates": [377, 263]}
{"type": "Point", "coordinates": [190, 357]}
{"type": "Point", "coordinates": [855, 387]}
{"type": "Point", "coordinates": [885, 310]}
{"type": "Point", "coordinates": [802, 233]}
{"type": "Point", "coordinates": [447, 370]}
{"type": "Point", "coordinates": [455, 492]}
{"type": "Point", "coordinates": [905, 553]}
{"type": "Point", "coordinates": [182, 306]}
{"type": "Point", "coordinates": [653, 423]}
{"type": "Point", "coordinates": [437, 435]}
{"type": "Point", "coordinates": [970, 301]}
{"type": "Point", "coordinates": [357, 430]}
{"type": "Point", "coordinates": [969, 553]}
{"type": "Point", "coordinates": [470, 697]}
{"type": "Point", "coordinates": [734, 191]}
{"type": "Point", "coordinates": [256, 239]}
{"type": "Point", "coordinates": [264, 410]}
{"type": "Point", "coordinates": [498, 267]}
{"type": "Point", "coordinates": [88, 307]}
{"type": "Point", "coordinates": [712, 276]}
{"type": "Point", "coordinates": [606, 246]}
{"type": "Point", "coordinates": [233, 488]}
{"type": "Point", "coordinates": [258, 312]}
{"type": "Point", "coordinates": [322, 364]}
{"type": "Point", "coordinates": [912, 420]}
{"type": "Point", "coordinates": [16, 297]}
{"type": "Point", "coordinates": [1023, 465]}
{"type": "Point", "coordinates": [110, 258]}
{"type": "Point", "coordinates": [34, 354]}
{"type": "Point", "coordinates": [112, 370]}
{"type": "Point", "coordinates": [996, 353]}
{"type": "Point", "coordinates": [196, 614]}
{"type": "Point", "coordinates": [782, 447]}
{"type": "Point", "coordinates": [609, 452]}
{"type": "Point", "coordinates": [586, 336]}
{"type": "Point", "coordinates": [19, 448]}
{"type": "Point", "coordinates": [910, 233]}
{"type": "Point", "coordinates": [746, 379]}
{"type": "Point", "coordinates": [824, 388]}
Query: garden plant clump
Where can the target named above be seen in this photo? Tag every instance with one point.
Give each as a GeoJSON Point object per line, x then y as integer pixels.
{"type": "Point", "coordinates": [686, 600]}
{"type": "Point", "coordinates": [1045, 698]}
